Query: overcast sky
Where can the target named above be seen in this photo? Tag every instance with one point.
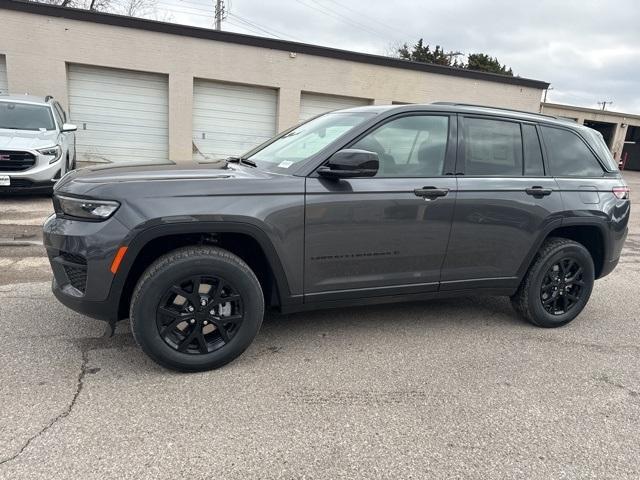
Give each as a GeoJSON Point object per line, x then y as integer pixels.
{"type": "Point", "coordinates": [588, 50]}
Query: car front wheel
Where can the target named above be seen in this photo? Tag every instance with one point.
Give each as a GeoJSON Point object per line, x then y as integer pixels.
{"type": "Point", "coordinates": [558, 284]}
{"type": "Point", "coordinates": [196, 308]}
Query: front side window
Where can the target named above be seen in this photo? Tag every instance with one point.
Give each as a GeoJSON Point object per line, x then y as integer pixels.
{"type": "Point", "coordinates": [25, 116]}
{"type": "Point", "coordinates": [492, 147]}
{"type": "Point", "coordinates": [307, 139]}
{"type": "Point", "coordinates": [412, 146]}
{"type": "Point", "coordinates": [568, 156]}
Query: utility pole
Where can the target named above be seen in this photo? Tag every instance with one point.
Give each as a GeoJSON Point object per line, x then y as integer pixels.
{"type": "Point", "coordinates": [604, 104]}
{"type": "Point", "coordinates": [219, 14]}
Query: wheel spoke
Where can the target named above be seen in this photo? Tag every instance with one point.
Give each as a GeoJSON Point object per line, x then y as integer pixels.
{"type": "Point", "coordinates": [202, 342]}
{"type": "Point", "coordinates": [168, 328]}
{"type": "Point", "coordinates": [184, 344]}
{"type": "Point", "coordinates": [565, 303]}
{"type": "Point", "coordinates": [220, 325]}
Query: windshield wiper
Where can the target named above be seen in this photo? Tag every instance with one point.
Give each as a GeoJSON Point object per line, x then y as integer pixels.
{"type": "Point", "coordinates": [241, 160]}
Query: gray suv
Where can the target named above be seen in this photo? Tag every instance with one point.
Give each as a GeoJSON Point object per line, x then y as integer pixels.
{"type": "Point", "coordinates": [361, 206]}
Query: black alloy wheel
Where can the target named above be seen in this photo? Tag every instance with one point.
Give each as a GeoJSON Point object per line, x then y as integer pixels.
{"type": "Point", "coordinates": [199, 315]}
{"type": "Point", "coordinates": [562, 286]}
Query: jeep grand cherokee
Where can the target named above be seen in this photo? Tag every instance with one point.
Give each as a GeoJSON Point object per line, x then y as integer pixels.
{"type": "Point", "coordinates": [361, 206]}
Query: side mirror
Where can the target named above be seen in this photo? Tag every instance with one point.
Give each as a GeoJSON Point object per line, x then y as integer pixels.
{"type": "Point", "coordinates": [350, 163]}
{"type": "Point", "coordinates": [67, 127]}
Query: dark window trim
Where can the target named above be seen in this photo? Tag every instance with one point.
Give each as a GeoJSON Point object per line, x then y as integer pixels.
{"type": "Point", "coordinates": [254, 41]}
{"type": "Point", "coordinates": [584, 141]}
{"type": "Point", "coordinates": [450, 150]}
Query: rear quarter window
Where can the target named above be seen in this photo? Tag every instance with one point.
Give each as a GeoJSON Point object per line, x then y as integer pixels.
{"type": "Point", "coordinates": [568, 155]}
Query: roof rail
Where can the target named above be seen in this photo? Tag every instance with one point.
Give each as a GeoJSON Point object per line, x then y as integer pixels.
{"type": "Point", "coordinates": [456, 104]}
{"type": "Point", "coordinates": [48, 97]}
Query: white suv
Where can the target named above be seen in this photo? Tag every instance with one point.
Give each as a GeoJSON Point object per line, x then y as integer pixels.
{"type": "Point", "coordinates": [37, 146]}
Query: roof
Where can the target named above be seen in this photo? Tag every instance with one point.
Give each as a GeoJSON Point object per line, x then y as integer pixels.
{"type": "Point", "coordinates": [467, 108]}
{"type": "Point", "coordinates": [261, 42]}
{"type": "Point", "coordinates": [24, 98]}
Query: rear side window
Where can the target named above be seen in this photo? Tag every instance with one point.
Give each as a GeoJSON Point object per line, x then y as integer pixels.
{"type": "Point", "coordinates": [492, 147]}
{"type": "Point", "coordinates": [533, 166]}
{"type": "Point", "coordinates": [568, 156]}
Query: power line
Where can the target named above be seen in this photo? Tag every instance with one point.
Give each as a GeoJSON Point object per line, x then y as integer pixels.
{"type": "Point", "coordinates": [361, 14]}
{"type": "Point", "coordinates": [323, 9]}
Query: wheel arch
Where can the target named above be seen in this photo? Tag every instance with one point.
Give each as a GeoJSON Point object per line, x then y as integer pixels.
{"type": "Point", "coordinates": [591, 233]}
{"type": "Point", "coordinates": [247, 241]}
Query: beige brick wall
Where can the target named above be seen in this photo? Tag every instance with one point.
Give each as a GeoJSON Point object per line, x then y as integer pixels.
{"type": "Point", "coordinates": [37, 64]}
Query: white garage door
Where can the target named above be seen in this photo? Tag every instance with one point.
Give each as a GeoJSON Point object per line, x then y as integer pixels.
{"type": "Point", "coordinates": [229, 119]}
{"type": "Point", "coordinates": [312, 104]}
{"type": "Point", "coordinates": [4, 84]}
{"type": "Point", "coordinates": [122, 115]}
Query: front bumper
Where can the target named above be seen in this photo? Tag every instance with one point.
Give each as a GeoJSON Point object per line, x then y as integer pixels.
{"type": "Point", "coordinates": [80, 254]}
{"type": "Point", "coordinates": [39, 178]}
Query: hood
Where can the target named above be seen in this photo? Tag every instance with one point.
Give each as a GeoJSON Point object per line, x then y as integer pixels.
{"type": "Point", "coordinates": [27, 139]}
{"type": "Point", "coordinates": [162, 180]}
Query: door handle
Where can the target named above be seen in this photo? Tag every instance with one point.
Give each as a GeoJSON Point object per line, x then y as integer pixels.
{"type": "Point", "coordinates": [430, 193]}
{"type": "Point", "coordinates": [538, 191]}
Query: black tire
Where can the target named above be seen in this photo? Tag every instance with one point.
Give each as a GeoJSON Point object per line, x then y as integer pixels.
{"type": "Point", "coordinates": [539, 293]}
{"type": "Point", "coordinates": [195, 262]}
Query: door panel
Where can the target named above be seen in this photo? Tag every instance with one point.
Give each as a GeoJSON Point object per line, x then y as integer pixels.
{"type": "Point", "coordinates": [375, 233]}
{"type": "Point", "coordinates": [495, 225]}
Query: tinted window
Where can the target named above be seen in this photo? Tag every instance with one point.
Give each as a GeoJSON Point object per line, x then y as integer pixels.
{"type": "Point", "coordinates": [532, 153]}
{"type": "Point", "coordinates": [568, 156]}
{"type": "Point", "coordinates": [61, 112]}
{"type": "Point", "coordinates": [24, 116]}
{"type": "Point", "coordinates": [413, 146]}
{"type": "Point", "coordinates": [492, 147]}
{"type": "Point", "coordinates": [56, 113]}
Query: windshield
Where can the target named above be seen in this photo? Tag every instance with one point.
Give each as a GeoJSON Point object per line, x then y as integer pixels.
{"type": "Point", "coordinates": [307, 140]}
{"type": "Point", "coordinates": [25, 116]}
{"type": "Point", "coordinates": [599, 145]}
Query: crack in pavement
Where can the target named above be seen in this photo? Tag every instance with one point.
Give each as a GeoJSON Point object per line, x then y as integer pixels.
{"type": "Point", "coordinates": [605, 378]}
{"type": "Point", "coordinates": [67, 411]}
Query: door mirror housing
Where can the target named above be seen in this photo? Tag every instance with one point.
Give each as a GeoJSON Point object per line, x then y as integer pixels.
{"type": "Point", "coordinates": [350, 163]}
{"type": "Point", "coordinates": [68, 127]}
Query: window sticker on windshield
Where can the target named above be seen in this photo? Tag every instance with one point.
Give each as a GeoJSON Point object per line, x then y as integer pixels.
{"type": "Point", "coordinates": [285, 164]}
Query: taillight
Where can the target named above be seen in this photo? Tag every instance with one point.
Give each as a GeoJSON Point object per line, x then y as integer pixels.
{"type": "Point", "coordinates": [622, 193]}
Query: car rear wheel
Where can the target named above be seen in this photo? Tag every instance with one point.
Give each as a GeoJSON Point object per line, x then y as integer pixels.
{"type": "Point", "coordinates": [196, 308]}
{"type": "Point", "coordinates": [558, 284]}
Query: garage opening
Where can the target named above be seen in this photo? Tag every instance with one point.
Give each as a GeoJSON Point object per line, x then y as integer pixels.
{"type": "Point", "coordinates": [4, 83]}
{"type": "Point", "coordinates": [631, 150]}
{"type": "Point", "coordinates": [122, 115]}
{"type": "Point", "coordinates": [606, 129]}
{"type": "Point", "coordinates": [312, 104]}
{"type": "Point", "coordinates": [230, 119]}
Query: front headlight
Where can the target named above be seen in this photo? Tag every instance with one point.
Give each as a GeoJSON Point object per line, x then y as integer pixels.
{"type": "Point", "coordinates": [85, 208]}
{"type": "Point", "coordinates": [53, 153]}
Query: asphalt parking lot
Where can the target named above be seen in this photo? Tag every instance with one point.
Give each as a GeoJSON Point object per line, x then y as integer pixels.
{"type": "Point", "coordinates": [444, 389]}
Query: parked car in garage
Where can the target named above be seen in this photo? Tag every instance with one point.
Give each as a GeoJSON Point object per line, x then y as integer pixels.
{"type": "Point", "coordinates": [361, 206]}
{"type": "Point", "coordinates": [37, 146]}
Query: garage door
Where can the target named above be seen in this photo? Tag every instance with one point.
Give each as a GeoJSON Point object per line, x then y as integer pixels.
{"type": "Point", "coordinates": [229, 119]}
{"type": "Point", "coordinates": [122, 115]}
{"type": "Point", "coordinates": [4, 84]}
{"type": "Point", "coordinates": [312, 104]}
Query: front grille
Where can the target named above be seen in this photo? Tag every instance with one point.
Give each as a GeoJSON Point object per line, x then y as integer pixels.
{"type": "Point", "coordinates": [11, 161]}
{"type": "Point", "coordinates": [75, 267]}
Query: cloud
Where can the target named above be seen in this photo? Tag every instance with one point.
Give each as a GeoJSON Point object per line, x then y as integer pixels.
{"type": "Point", "coordinates": [589, 50]}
